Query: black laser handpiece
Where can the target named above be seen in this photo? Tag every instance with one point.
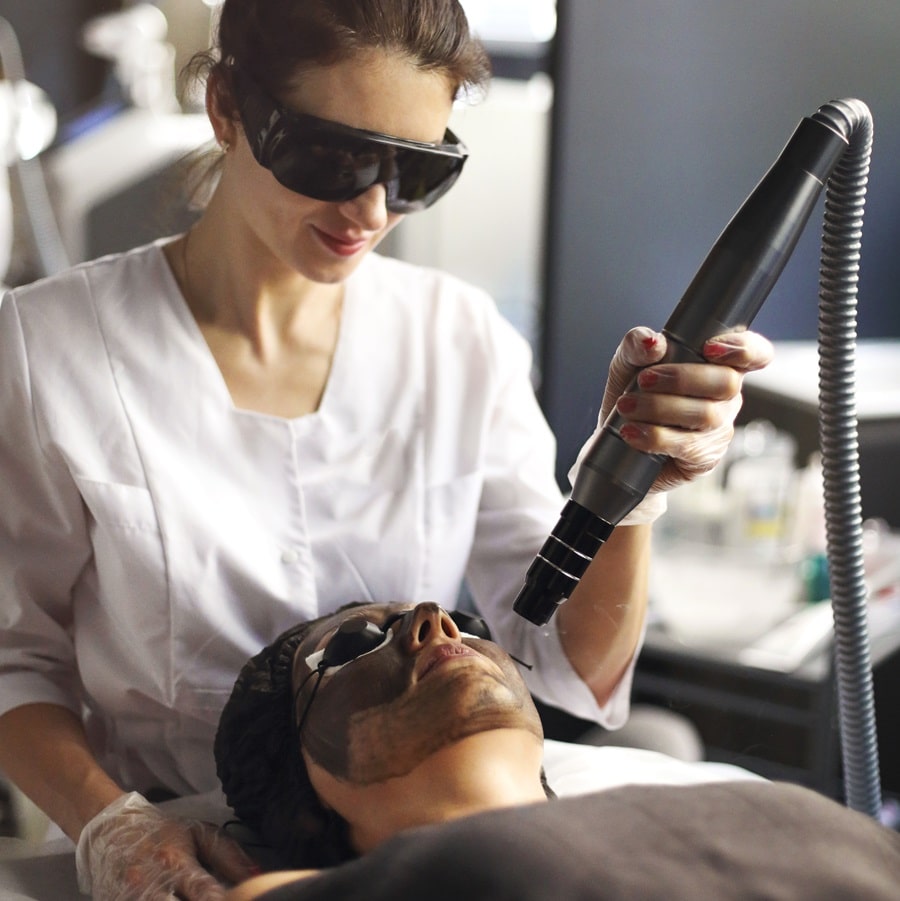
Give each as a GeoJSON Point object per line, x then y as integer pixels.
{"type": "Point", "coordinates": [726, 293]}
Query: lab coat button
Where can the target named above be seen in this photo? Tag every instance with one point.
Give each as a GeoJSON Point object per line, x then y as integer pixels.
{"type": "Point", "coordinates": [289, 556]}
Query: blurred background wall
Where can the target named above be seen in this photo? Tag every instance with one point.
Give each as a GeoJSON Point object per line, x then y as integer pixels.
{"type": "Point", "coordinates": [666, 114]}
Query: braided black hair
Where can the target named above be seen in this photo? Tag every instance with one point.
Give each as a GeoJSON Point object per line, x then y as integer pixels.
{"type": "Point", "coordinates": [259, 764]}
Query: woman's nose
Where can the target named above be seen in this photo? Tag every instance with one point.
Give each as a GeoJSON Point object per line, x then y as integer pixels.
{"type": "Point", "coordinates": [429, 622]}
{"type": "Point", "coordinates": [369, 209]}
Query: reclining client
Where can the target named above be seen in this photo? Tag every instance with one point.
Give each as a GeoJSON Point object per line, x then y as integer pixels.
{"type": "Point", "coordinates": [388, 750]}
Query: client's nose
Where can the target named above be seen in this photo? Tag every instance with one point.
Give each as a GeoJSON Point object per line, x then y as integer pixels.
{"type": "Point", "coordinates": [429, 622]}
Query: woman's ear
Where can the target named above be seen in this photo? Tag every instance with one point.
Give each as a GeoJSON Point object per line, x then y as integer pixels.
{"type": "Point", "coordinates": [222, 109]}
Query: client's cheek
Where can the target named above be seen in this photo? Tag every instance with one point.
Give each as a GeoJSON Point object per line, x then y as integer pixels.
{"type": "Point", "coordinates": [326, 735]}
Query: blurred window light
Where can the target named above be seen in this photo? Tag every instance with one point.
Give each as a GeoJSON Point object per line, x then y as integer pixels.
{"type": "Point", "coordinates": [512, 21]}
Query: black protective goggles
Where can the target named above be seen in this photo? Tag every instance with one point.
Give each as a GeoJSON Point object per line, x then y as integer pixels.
{"type": "Point", "coordinates": [334, 162]}
{"type": "Point", "coordinates": [356, 636]}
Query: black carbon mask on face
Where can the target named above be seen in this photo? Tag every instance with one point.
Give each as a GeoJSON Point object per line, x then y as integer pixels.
{"type": "Point", "coordinates": [370, 679]}
{"type": "Point", "coordinates": [364, 685]}
{"type": "Point", "coordinates": [371, 719]}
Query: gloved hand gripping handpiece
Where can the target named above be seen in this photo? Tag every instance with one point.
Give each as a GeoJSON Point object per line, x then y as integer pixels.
{"type": "Point", "coordinates": [725, 294]}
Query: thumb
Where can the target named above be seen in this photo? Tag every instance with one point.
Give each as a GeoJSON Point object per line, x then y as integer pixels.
{"type": "Point", "coordinates": [222, 854]}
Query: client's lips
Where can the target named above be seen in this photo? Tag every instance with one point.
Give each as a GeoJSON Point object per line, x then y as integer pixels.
{"type": "Point", "coordinates": [442, 653]}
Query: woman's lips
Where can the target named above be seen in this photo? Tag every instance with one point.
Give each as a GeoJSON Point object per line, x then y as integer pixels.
{"type": "Point", "coordinates": [342, 246]}
{"type": "Point", "coordinates": [442, 653]}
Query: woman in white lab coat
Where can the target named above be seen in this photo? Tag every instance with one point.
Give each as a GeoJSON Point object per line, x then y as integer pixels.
{"type": "Point", "coordinates": [206, 439]}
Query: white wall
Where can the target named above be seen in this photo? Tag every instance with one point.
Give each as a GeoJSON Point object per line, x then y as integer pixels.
{"type": "Point", "coordinates": [489, 228]}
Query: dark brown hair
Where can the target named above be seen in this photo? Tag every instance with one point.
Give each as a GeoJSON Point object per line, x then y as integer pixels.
{"type": "Point", "coordinates": [275, 40]}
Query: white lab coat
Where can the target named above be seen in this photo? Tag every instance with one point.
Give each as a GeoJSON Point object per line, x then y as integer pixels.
{"type": "Point", "coordinates": [153, 536]}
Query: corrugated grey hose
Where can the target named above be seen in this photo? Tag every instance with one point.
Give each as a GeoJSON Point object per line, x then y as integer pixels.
{"type": "Point", "coordinates": [48, 244]}
{"type": "Point", "coordinates": [841, 240]}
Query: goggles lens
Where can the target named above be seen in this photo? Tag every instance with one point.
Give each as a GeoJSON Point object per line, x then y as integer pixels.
{"type": "Point", "coordinates": [334, 162]}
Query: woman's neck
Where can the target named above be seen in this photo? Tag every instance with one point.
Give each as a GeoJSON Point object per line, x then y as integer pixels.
{"type": "Point", "coordinates": [230, 287]}
{"type": "Point", "coordinates": [272, 333]}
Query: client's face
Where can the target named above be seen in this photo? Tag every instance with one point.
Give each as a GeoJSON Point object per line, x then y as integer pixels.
{"type": "Point", "coordinates": [426, 686]}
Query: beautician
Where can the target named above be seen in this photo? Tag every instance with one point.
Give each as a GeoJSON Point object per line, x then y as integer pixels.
{"type": "Point", "coordinates": [207, 439]}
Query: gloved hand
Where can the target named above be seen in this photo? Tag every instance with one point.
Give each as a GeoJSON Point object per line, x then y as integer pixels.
{"type": "Point", "coordinates": [685, 411]}
{"type": "Point", "coordinates": [132, 851]}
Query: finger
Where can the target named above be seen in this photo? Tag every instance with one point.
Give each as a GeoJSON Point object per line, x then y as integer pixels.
{"type": "Point", "coordinates": [691, 380]}
{"type": "Point", "coordinates": [222, 854]}
{"type": "Point", "coordinates": [195, 884]}
{"type": "Point", "coordinates": [678, 426]}
{"type": "Point", "coordinates": [745, 351]}
{"type": "Point", "coordinates": [641, 347]}
{"type": "Point", "coordinates": [688, 453]}
{"type": "Point", "coordinates": [655, 421]}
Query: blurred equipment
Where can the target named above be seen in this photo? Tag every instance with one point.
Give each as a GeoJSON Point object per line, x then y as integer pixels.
{"type": "Point", "coordinates": [27, 126]}
{"type": "Point", "coordinates": [786, 393]}
{"type": "Point", "coordinates": [118, 183]}
{"type": "Point", "coordinates": [135, 41]}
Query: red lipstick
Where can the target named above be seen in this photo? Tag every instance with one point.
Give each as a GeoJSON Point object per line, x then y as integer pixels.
{"type": "Point", "coordinates": [341, 246]}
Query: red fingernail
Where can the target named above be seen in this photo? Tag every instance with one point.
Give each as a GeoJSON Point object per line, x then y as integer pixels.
{"type": "Point", "coordinates": [630, 431]}
{"type": "Point", "coordinates": [626, 404]}
{"type": "Point", "coordinates": [647, 378]}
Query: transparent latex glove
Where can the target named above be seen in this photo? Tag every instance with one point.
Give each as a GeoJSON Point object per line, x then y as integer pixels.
{"type": "Point", "coordinates": [685, 411]}
{"type": "Point", "coordinates": [132, 851]}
